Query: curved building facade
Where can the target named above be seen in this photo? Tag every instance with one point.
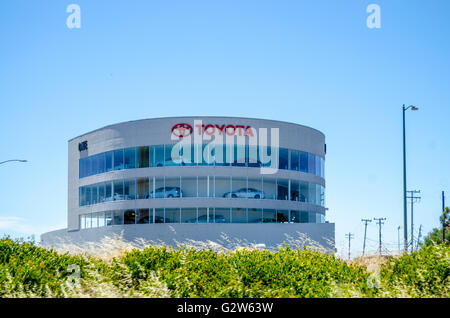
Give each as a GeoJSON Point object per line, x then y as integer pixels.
{"type": "Point", "coordinates": [177, 179]}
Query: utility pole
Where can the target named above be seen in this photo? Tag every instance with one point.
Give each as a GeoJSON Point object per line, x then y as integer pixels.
{"type": "Point", "coordinates": [419, 237]}
{"type": "Point", "coordinates": [413, 200]}
{"type": "Point", "coordinates": [349, 236]}
{"type": "Point", "coordinates": [380, 222]}
{"type": "Point", "coordinates": [365, 232]}
{"type": "Point", "coordinates": [443, 211]}
{"type": "Point", "coordinates": [405, 214]}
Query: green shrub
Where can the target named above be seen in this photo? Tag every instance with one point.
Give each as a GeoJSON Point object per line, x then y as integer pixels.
{"type": "Point", "coordinates": [424, 273]}
{"type": "Point", "coordinates": [28, 271]}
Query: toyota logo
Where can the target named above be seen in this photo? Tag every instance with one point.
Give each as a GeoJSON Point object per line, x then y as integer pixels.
{"type": "Point", "coordinates": [182, 130]}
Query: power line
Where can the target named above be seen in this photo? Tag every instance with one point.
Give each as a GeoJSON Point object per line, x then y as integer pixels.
{"type": "Point", "coordinates": [380, 222]}
{"type": "Point", "coordinates": [349, 236]}
{"type": "Point", "coordinates": [365, 232]}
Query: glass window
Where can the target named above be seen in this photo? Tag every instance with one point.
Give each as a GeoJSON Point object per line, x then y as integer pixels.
{"type": "Point", "coordinates": [283, 158]}
{"type": "Point", "coordinates": [109, 218]}
{"type": "Point", "coordinates": [83, 167]}
{"type": "Point", "coordinates": [304, 217]}
{"type": "Point", "coordinates": [295, 190]}
{"type": "Point", "coordinates": [88, 195]}
{"type": "Point", "coordinates": [203, 187]}
{"type": "Point", "coordinates": [222, 215]}
{"type": "Point", "coordinates": [118, 159]}
{"type": "Point", "coordinates": [130, 158]}
{"type": "Point", "coordinates": [269, 216]}
{"type": "Point", "coordinates": [101, 219]}
{"type": "Point", "coordinates": [108, 161]}
{"type": "Point", "coordinates": [173, 189]}
{"type": "Point", "coordinates": [159, 216]}
{"type": "Point", "coordinates": [101, 192]}
{"type": "Point", "coordinates": [157, 156]}
{"type": "Point", "coordinates": [254, 215]}
{"type": "Point", "coordinates": [144, 157]}
{"type": "Point", "coordinates": [252, 156]}
{"type": "Point", "coordinates": [203, 215]}
{"type": "Point", "coordinates": [303, 162]}
{"type": "Point", "coordinates": [282, 216]}
{"type": "Point", "coordinates": [93, 165]}
{"type": "Point", "coordinates": [177, 156]}
{"type": "Point", "coordinates": [129, 217]}
{"type": "Point", "coordinates": [159, 190]}
{"type": "Point", "coordinates": [189, 215]}
{"type": "Point", "coordinates": [295, 216]}
{"type": "Point", "coordinates": [304, 192]}
{"type": "Point", "coordinates": [143, 188]}
{"type": "Point", "coordinates": [144, 216]}
{"type": "Point", "coordinates": [82, 221]}
{"type": "Point", "coordinates": [255, 187]}
{"type": "Point", "coordinates": [129, 188]}
{"type": "Point", "coordinates": [172, 215]}
{"type": "Point", "coordinates": [208, 151]}
{"type": "Point", "coordinates": [82, 196]}
{"type": "Point", "coordinates": [322, 196]}
{"type": "Point", "coordinates": [312, 193]}
{"type": "Point", "coordinates": [118, 217]}
{"type": "Point", "coordinates": [295, 160]}
{"type": "Point", "coordinates": [189, 156]}
{"type": "Point", "coordinates": [239, 188]}
{"type": "Point", "coordinates": [318, 166]}
{"type": "Point", "coordinates": [239, 215]}
{"type": "Point", "coordinates": [108, 191]}
{"type": "Point", "coordinates": [95, 219]}
{"type": "Point", "coordinates": [98, 164]}
{"type": "Point", "coordinates": [312, 217]}
{"type": "Point", "coordinates": [270, 188]}
{"type": "Point", "coordinates": [94, 194]}
{"type": "Point", "coordinates": [118, 190]}
{"type": "Point", "coordinates": [322, 160]}
{"type": "Point", "coordinates": [311, 163]}
{"type": "Point", "coordinates": [189, 187]}
{"type": "Point", "coordinates": [283, 193]}
{"type": "Point", "coordinates": [222, 187]}
{"type": "Point", "coordinates": [265, 156]}
{"type": "Point", "coordinates": [197, 154]}
{"type": "Point", "coordinates": [219, 153]}
{"type": "Point", "coordinates": [239, 156]}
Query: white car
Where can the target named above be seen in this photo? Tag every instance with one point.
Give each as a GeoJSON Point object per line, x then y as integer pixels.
{"type": "Point", "coordinates": [245, 193]}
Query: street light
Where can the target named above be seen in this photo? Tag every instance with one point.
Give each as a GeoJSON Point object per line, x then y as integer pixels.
{"type": "Point", "coordinates": [18, 160]}
{"type": "Point", "coordinates": [405, 216]}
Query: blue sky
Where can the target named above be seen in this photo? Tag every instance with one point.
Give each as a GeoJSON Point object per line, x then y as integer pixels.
{"type": "Point", "coordinates": [311, 62]}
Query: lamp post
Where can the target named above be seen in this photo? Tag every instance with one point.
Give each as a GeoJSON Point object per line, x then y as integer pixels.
{"type": "Point", "coordinates": [405, 216]}
{"type": "Point", "coordinates": [18, 160]}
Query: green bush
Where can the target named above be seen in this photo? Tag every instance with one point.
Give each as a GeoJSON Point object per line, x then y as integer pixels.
{"type": "Point", "coordinates": [27, 270]}
{"type": "Point", "coordinates": [424, 273]}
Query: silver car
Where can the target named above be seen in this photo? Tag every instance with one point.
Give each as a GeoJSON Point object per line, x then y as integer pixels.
{"type": "Point", "coordinates": [166, 192]}
{"type": "Point", "coordinates": [245, 193]}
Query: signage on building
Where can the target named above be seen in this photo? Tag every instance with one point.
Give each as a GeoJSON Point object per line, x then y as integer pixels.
{"type": "Point", "coordinates": [184, 130]}
{"type": "Point", "coordinates": [82, 146]}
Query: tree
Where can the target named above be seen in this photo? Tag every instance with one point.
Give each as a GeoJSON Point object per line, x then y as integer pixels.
{"type": "Point", "coordinates": [445, 221]}
{"type": "Point", "coordinates": [437, 235]}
